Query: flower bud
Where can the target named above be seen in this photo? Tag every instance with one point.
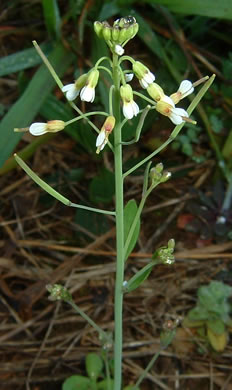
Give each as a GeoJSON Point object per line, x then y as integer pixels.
{"type": "Point", "coordinates": [165, 177]}
{"type": "Point", "coordinates": [115, 33]}
{"type": "Point", "coordinates": [55, 125]}
{"type": "Point", "coordinates": [81, 81]}
{"type": "Point", "coordinates": [106, 31]}
{"type": "Point", "coordinates": [98, 27]}
{"type": "Point", "coordinates": [155, 91]}
{"type": "Point", "coordinates": [109, 124]}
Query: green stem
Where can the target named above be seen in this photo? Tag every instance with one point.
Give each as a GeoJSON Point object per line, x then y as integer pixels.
{"type": "Point", "coordinates": [83, 116]}
{"type": "Point", "coordinates": [147, 369]}
{"type": "Point", "coordinates": [101, 332]}
{"type": "Point", "coordinates": [118, 306]}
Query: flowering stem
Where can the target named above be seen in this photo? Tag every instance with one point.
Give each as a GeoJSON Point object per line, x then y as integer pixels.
{"type": "Point", "coordinates": [118, 306]}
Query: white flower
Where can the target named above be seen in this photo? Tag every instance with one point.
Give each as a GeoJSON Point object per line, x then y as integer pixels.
{"type": "Point", "coordinates": [167, 107]}
{"type": "Point", "coordinates": [103, 136]}
{"type": "Point", "coordinates": [119, 50]}
{"type": "Point", "coordinates": [185, 88]}
{"type": "Point", "coordinates": [38, 128]}
{"type": "Point", "coordinates": [130, 109]}
{"type": "Point", "coordinates": [87, 94]}
{"type": "Point", "coordinates": [71, 91]}
{"type": "Point", "coordinates": [147, 79]}
{"type": "Point", "coordinates": [129, 77]}
{"type": "Point", "coordinates": [101, 141]}
{"type": "Point", "coordinates": [143, 74]}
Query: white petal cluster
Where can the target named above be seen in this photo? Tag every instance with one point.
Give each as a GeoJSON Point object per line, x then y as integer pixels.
{"type": "Point", "coordinates": [101, 141]}
{"type": "Point", "coordinates": [38, 128]}
{"type": "Point", "coordinates": [71, 91]}
{"type": "Point", "coordinates": [147, 79]}
{"type": "Point", "coordinates": [87, 94]}
{"type": "Point", "coordinates": [130, 109]}
{"type": "Point", "coordinates": [185, 88]}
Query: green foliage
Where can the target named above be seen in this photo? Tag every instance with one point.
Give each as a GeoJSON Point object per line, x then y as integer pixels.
{"type": "Point", "coordinates": [75, 382]}
{"type": "Point", "coordinates": [22, 60]}
{"type": "Point", "coordinates": [130, 212]}
{"type": "Point", "coordinates": [52, 18]}
{"type": "Point", "coordinates": [212, 313]}
{"type": "Point", "coordinates": [210, 8]}
{"type": "Point", "coordinates": [94, 366]}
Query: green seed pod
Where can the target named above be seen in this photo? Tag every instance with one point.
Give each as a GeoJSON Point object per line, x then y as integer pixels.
{"type": "Point", "coordinates": [98, 29]}
{"type": "Point", "coordinates": [115, 33]}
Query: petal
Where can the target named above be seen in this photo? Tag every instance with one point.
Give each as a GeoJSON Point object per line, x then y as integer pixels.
{"type": "Point", "coordinates": [143, 83]}
{"type": "Point", "coordinates": [67, 87]}
{"type": "Point", "coordinates": [100, 138]}
{"type": "Point", "coordinates": [72, 94]}
{"type": "Point", "coordinates": [149, 77]}
{"type": "Point", "coordinates": [186, 88]}
{"type": "Point", "coordinates": [180, 111]}
{"type": "Point", "coordinates": [38, 128]}
{"type": "Point", "coordinates": [176, 119]}
{"type": "Point", "coordinates": [87, 94]}
{"type": "Point", "coordinates": [135, 108]}
{"type": "Point", "coordinates": [129, 77]}
{"type": "Point", "coordinates": [168, 100]}
{"type": "Point", "coordinates": [128, 111]}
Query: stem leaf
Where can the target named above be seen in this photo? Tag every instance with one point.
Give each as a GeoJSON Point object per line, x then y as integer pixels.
{"type": "Point", "coordinates": [130, 211]}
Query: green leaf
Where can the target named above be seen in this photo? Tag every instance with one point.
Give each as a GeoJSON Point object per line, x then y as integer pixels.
{"type": "Point", "coordinates": [130, 212]}
{"type": "Point", "coordinates": [103, 385]}
{"type": "Point", "coordinates": [24, 110]}
{"type": "Point", "coordinates": [216, 325]}
{"type": "Point", "coordinates": [94, 366]}
{"type": "Point", "coordinates": [76, 382]}
{"type": "Point", "coordinates": [22, 60]}
{"type": "Point", "coordinates": [52, 18]}
{"type": "Point", "coordinates": [211, 8]}
{"type": "Point", "coordinates": [198, 314]}
{"type": "Point", "coordinates": [139, 277]}
{"type": "Point", "coordinates": [101, 188]}
{"type": "Point", "coordinates": [92, 222]}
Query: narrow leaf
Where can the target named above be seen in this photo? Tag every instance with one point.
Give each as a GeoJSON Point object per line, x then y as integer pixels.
{"type": "Point", "coordinates": [52, 17]}
{"type": "Point", "coordinates": [22, 60]}
{"type": "Point", "coordinates": [130, 212]}
{"type": "Point", "coordinates": [210, 8]}
{"type": "Point", "coordinates": [41, 182]}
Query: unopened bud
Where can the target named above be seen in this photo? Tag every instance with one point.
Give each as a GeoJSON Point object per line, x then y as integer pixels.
{"type": "Point", "coordinates": [55, 125]}
{"type": "Point", "coordinates": [165, 177]}
{"type": "Point", "coordinates": [98, 27]}
{"type": "Point", "coordinates": [115, 33]}
{"type": "Point", "coordinates": [58, 292]}
{"type": "Point", "coordinates": [106, 31]}
{"type": "Point", "coordinates": [155, 91]}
